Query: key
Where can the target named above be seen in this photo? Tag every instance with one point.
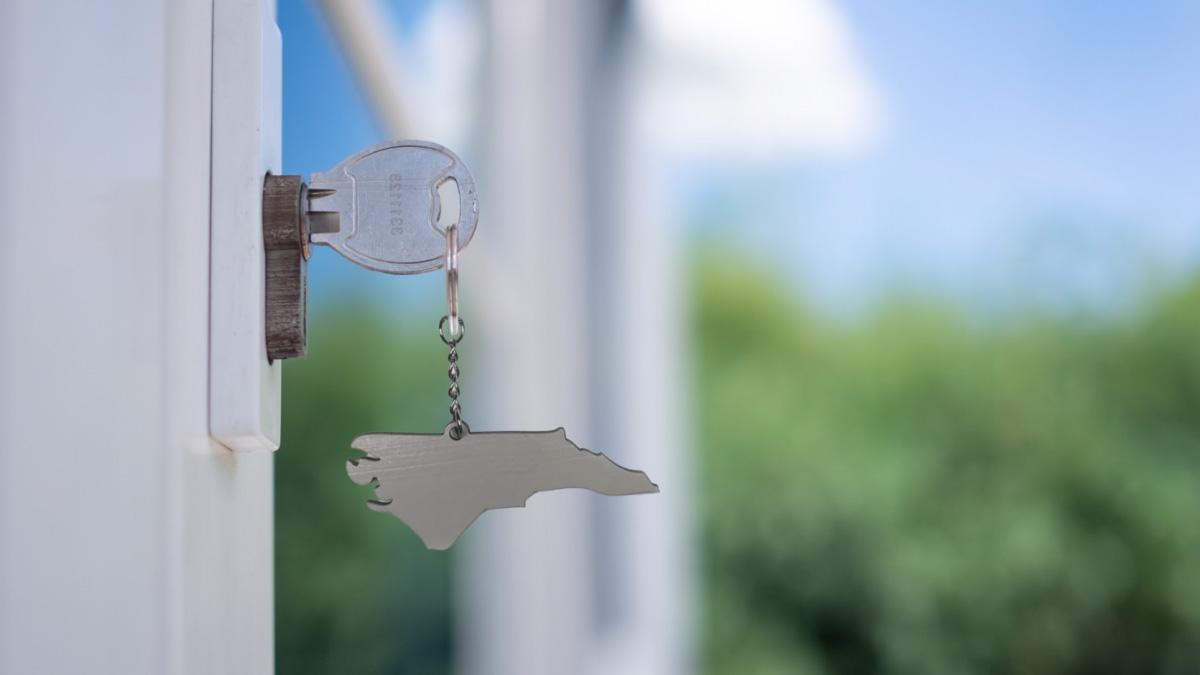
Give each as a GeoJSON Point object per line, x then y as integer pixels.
{"type": "Point", "coordinates": [381, 207]}
{"type": "Point", "coordinates": [404, 208]}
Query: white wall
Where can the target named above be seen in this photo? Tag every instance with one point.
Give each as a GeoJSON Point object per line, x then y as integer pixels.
{"type": "Point", "coordinates": [129, 541]}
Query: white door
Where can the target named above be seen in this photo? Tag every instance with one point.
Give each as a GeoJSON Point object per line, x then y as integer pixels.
{"type": "Point", "coordinates": [131, 541]}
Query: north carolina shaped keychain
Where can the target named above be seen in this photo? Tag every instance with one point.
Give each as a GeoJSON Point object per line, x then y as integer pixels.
{"type": "Point", "coordinates": [438, 484]}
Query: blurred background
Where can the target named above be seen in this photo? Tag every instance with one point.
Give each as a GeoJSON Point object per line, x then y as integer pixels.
{"type": "Point", "coordinates": [898, 303]}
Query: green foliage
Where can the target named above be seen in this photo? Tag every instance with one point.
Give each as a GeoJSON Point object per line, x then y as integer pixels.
{"type": "Point", "coordinates": [912, 493]}
{"type": "Point", "coordinates": [356, 592]}
{"type": "Point", "coordinates": [908, 493]}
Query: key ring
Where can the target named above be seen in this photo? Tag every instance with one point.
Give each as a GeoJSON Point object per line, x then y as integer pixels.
{"type": "Point", "coordinates": [452, 318]}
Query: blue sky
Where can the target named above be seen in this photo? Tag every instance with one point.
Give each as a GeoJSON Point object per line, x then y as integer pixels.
{"type": "Point", "coordinates": [325, 116]}
{"type": "Point", "coordinates": [325, 119]}
{"type": "Point", "coordinates": [1033, 150]}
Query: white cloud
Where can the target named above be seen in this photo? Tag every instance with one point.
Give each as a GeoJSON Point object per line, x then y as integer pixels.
{"type": "Point", "coordinates": [754, 79]}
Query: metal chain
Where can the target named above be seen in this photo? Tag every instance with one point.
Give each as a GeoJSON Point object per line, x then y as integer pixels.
{"type": "Point", "coordinates": [456, 332]}
{"type": "Point", "coordinates": [456, 423]}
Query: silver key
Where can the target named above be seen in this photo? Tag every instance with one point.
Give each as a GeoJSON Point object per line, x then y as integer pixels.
{"type": "Point", "coordinates": [381, 207]}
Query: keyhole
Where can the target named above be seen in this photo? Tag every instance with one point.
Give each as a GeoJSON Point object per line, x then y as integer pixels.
{"type": "Point", "coordinates": [447, 206]}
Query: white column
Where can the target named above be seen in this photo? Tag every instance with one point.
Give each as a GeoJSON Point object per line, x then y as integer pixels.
{"type": "Point", "coordinates": [525, 588]}
{"type": "Point", "coordinates": [573, 282]}
{"type": "Point", "coordinates": [639, 332]}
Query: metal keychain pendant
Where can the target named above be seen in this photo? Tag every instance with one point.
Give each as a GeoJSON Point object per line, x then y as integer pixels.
{"type": "Point", "coordinates": [438, 484]}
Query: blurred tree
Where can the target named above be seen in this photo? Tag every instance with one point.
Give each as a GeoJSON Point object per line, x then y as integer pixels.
{"type": "Point", "coordinates": [356, 591]}
{"type": "Point", "coordinates": [915, 493]}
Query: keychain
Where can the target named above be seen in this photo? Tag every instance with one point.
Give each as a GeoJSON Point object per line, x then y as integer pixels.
{"type": "Point", "coordinates": [438, 484]}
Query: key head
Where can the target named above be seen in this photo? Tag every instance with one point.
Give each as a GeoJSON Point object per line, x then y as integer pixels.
{"type": "Point", "coordinates": [380, 207]}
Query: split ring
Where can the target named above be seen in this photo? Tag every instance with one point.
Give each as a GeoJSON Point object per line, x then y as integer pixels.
{"type": "Point", "coordinates": [452, 339]}
{"type": "Point", "coordinates": [452, 283]}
